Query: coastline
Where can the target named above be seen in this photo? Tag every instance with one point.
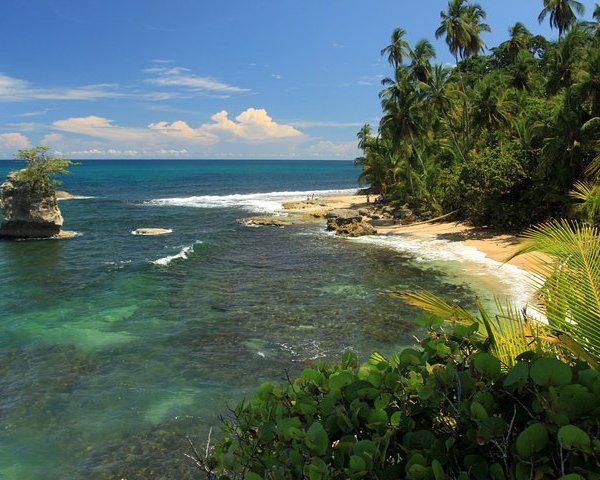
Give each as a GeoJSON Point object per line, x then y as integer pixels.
{"type": "Point", "coordinates": [495, 245]}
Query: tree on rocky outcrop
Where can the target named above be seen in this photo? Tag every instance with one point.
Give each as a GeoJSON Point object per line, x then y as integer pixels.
{"type": "Point", "coordinates": [41, 168]}
{"type": "Point", "coordinates": [28, 196]}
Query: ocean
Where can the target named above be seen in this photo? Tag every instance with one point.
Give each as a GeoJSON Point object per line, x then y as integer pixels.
{"type": "Point", "coordinates": [114, 348]}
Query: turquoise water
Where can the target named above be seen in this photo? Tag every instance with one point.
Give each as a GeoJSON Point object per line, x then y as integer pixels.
{"type": "Point", "coordinates": [115, 347]}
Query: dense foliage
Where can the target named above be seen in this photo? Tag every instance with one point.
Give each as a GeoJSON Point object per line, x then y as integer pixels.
{"type": "Point", "coordinates": [446, 410]}
{"type": "Point", "coordinates": [501, 137]}
{"type": "Point", "coordinates": [41, 168]}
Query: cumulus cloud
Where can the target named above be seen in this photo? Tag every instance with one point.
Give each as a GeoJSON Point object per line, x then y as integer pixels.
{"type": "Point", "coordinates": [51, 139]}
{"type": "Point", "coordinates": [14, 141]}
{"type": "Point", "coordinates": [182, 131]}
{"type": "Point", "coordinates": [252, 125]}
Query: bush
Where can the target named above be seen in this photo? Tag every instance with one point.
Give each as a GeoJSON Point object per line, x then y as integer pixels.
{"type": "Point", "coordinates": [40, 169]}
{"type": "Point", "coordinates": [445, 410]}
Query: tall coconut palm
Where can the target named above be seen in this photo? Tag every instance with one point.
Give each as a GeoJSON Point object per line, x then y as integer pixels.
{"type": "Point", "coordinates": [475, 16]}
{"type": "Point", "coordinates": [519, 41]}
{"type": "Point", "coordinates": [563, 13]}
{"type": "Point", "coordinates": [363, 136]}
{"type": "Point", "coordinates": [455, 27]}
{"type": "Point", "coordinates": [398, 49]}
{"type": "Point", "coordinates": [403, 123]}
{"type": "Point", "coordinates": [420, 61]}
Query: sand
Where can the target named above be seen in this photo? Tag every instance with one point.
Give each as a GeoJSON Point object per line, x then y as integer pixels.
{"type": "Point", "coordinates": [495, 245]}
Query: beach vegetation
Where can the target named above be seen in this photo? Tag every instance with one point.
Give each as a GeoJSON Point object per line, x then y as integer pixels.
{"type": "Point", "coordinates": [512, 394]}
{"type": "Point", "coordinates": [449, 408]}
{"type": "Point", "coordinates": [506, 136]}
{"type": "Point", "coordinates": [41, 169]}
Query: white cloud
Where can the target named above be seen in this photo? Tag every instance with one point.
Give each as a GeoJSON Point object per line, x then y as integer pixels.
{"type": "Point", "coordinates": [168, 76]}
{"type": "Point", "coordinates": [16, 90]}
{"type": "Point", "coordinates": [100, 127]}
{"type": "Point", "coordinates": [51, 139]}
{"type": "Point", "coordinates": [14, 141]}
{"type": "Point", "coordinates": [252, 125]}
{"type": "Point", "coordinates": [182, 131]}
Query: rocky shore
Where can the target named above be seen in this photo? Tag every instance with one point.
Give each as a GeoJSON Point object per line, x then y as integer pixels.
{"type": "Point", "coordinates": [351, 215]}
{"type": "Point", "coordinates": [28, 212]}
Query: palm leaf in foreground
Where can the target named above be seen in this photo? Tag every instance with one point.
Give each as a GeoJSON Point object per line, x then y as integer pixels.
{"type": "Point", "coordinates": [570, 285]}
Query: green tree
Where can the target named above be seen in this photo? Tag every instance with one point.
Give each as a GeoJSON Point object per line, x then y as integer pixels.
{"type": "Point", "coordinates": [41, 168]}
{"type": "Point", "coordinates": [563, 13]}
{"type": "Point", "coordinates": [397, 50]}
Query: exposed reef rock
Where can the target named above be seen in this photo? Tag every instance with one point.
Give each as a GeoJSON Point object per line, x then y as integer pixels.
{"type": "Point", "coordinates": [267, 220]}
{"type": "Point", "coordinates": [28, 213]}
{"type": "Point", "coordinates": [151, 231]}
{"type": "Point", "coordinates": [349, 223]}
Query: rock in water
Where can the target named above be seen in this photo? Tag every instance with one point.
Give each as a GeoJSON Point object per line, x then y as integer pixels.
{"type": "Point", "coordinates": [28, 213]}
{"type": "Point", "coordinates": [349, 223]}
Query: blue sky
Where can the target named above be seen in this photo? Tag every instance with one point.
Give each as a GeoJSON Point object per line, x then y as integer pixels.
{"type": "Point", "coordinates": [208, 79]}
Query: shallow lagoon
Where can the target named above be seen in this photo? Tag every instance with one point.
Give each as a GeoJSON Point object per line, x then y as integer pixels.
{"type": "Point", "coordinates": [114, 347]}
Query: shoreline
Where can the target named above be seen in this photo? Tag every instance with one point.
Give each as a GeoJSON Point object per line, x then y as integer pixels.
{"type": "Point", "coordinates": [495, 245]}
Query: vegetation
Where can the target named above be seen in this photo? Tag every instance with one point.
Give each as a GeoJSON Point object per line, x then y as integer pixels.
{"type": "Point", "coordinates": [509, 138]}
{"type": "Point", "coordinates": [483, 396]}
{"type": "Point", "coordinates": [506, 138]}
{"type": "Point", "coordinates": [41, 168]}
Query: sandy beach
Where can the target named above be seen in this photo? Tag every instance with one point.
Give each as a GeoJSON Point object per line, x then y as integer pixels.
{"type": "Point", "coordinates": [495, 245]}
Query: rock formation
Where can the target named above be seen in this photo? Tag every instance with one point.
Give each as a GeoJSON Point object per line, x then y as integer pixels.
{"type": "Point", "coordinates": [266, 220]}
{"type": "Point", "coordinates": [349, 223]}
{"type": "Point", "coordinates": [28, 213]}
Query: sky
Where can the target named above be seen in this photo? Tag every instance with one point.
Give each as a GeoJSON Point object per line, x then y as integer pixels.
{"type": "Point", "coordinates": [273, 79]}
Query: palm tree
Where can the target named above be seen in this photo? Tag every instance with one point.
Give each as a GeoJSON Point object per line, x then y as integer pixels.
{"type": "Point", "coordinates": [398, 49]}
{"type": "Point", "coordinates": [520, 40]}
{"type": "Point", "coordinates": [589, 82]}
{"type": "Point", "coordinates": [403, 122]}
{"type": "Point", "coordinates": [596, 15]}
{"type": "Point", "coordinates": [363, 136]}
{"type": "Point", "coordinates": [475, 15]}
{"type": "Point", "coordinates": [563, 13]}
{"type": "Point", "coordinates": [491, 108]}
{"type": "Point", "coordinates": [455, 27]}
{"type": "Point", "coordinates": [420, 61]}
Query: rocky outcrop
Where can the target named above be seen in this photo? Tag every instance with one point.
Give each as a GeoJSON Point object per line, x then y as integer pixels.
{"type": "Point", "coordinates": [349, 223]}
{"type": "Point", "coordinates": [28, 213]}
{"type": "Point", "coordinates": [265, 221]}
{"type": "Point", "coordinates": [151, 231]}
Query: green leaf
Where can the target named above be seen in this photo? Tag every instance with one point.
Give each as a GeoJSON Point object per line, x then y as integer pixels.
{"type": "Point", "coordinates": [478, 411]}
{"type": "Point", "coordinates": [376, 417]}
{"type": "Point", "coordinates": [487, 365]}
{"type": "Point", "coordinates": [317, 439]}
{"type": "Point", "coordinates": [547, 371]}
{"type": "Point", "coordinates": [252, 476]}
{"type": "Point", "coordinates": [532, 440]}
{"type": "Point", "coordinates": [572, 437]}
{"type": "Point", "coordinates": [438, 470]}
{"type": "Point", "coordinates": [339, 380]}
{"type": "Point", "coordinates": [357, 464]}
{"type": "Point", "coordinates": [517, 375]}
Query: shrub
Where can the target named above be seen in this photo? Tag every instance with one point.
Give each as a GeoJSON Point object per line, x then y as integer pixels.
{"type": "Point", "coordinates": [40, 169]}
{"type": "Point", "coordinates": [445, 410]}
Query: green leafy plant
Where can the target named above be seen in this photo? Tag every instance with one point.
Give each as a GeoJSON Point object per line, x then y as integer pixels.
{"type": "Point", "coordinates": [41, 168]}
{"type": "Point", "coordinates": [447, 409]}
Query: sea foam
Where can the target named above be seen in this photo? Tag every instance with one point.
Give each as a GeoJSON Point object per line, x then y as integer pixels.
{"type": "Point", "coordinates": [475, 266]}
{"type": "Point", "coordinates": [182, 254]}
{"type": "Point", "coordinates": [270, 202]}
